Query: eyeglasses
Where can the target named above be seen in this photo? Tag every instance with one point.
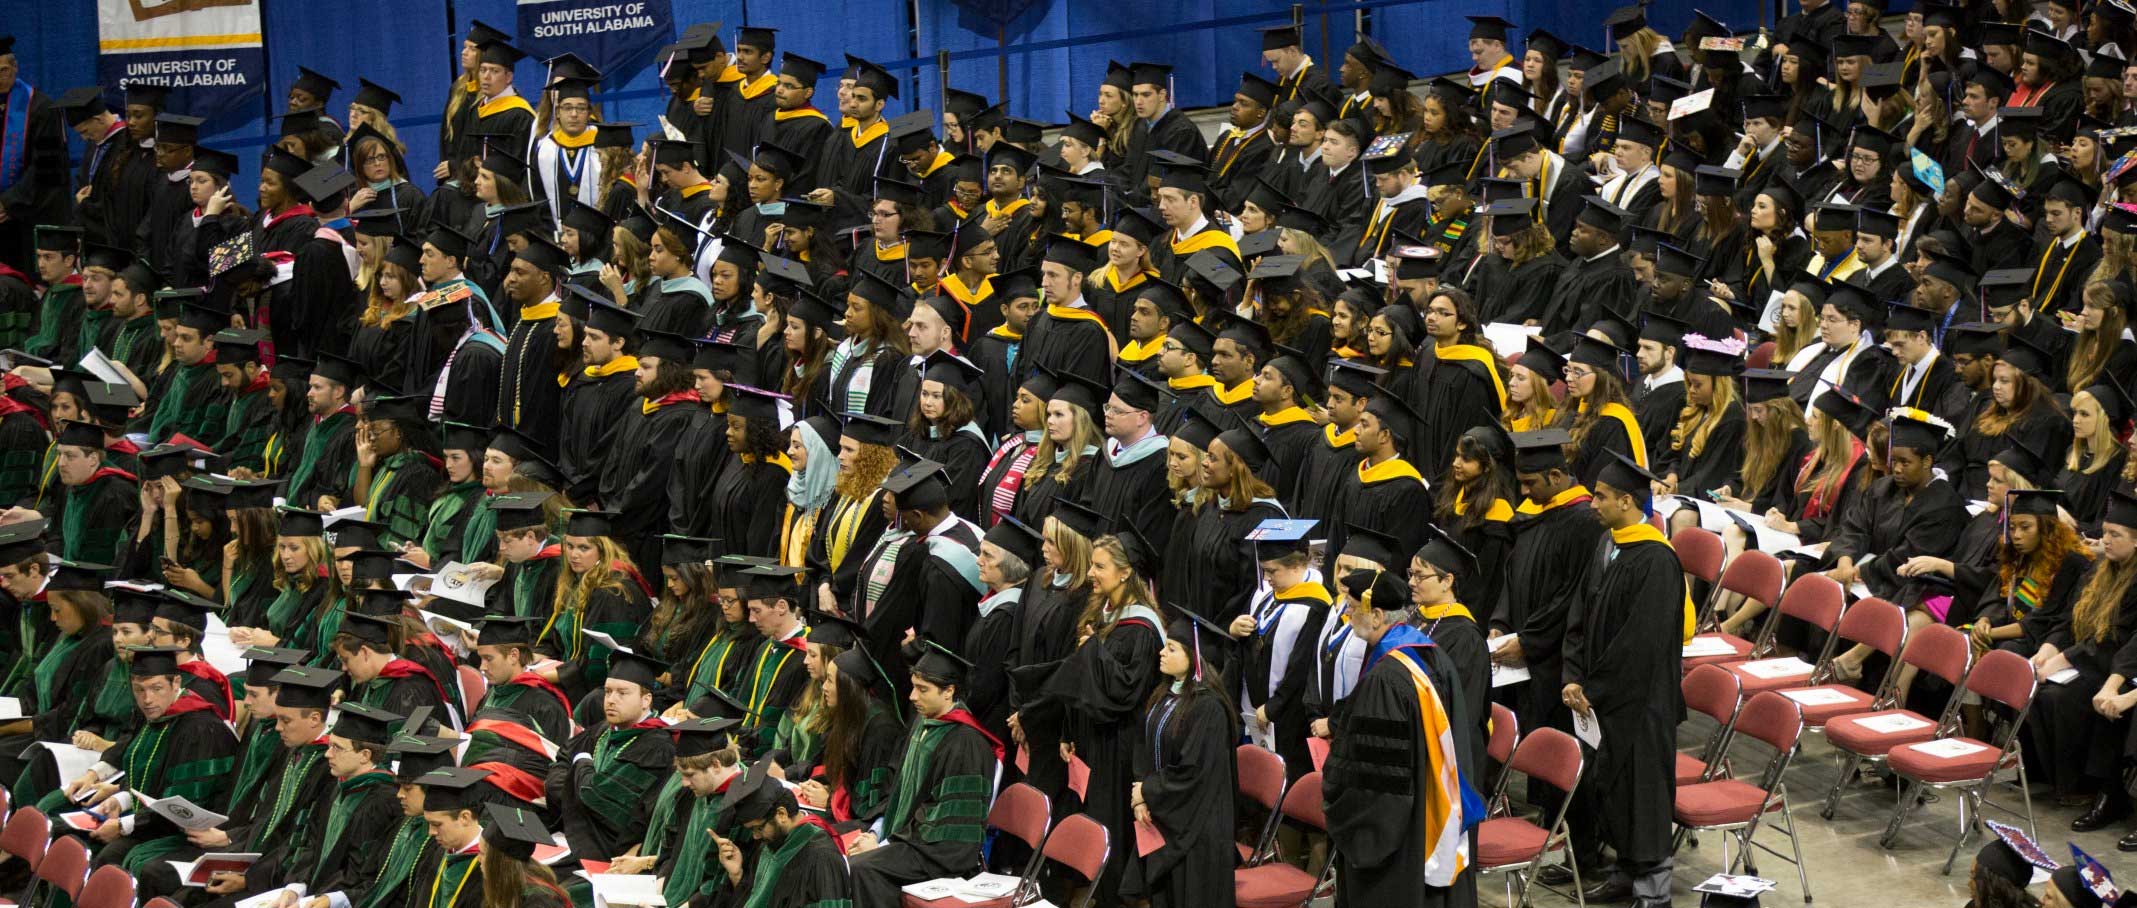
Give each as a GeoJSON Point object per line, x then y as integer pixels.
{"type": "Point", "coordinates": [880, 215]}
{"type": "Point", "coordinates": [1573, 372]}
{"type": "Point", "coordinates": [1111, 410]}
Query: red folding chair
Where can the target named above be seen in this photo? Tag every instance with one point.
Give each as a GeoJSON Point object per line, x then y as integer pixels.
{"type": "Point", "coordinates": [1756, 576]}
{"type": "Point", "coordinates": [1699, 552]}
{"type": "Point", "coordinates": [1814, 599]}
{"type": "Point", "coordinates": [1939, 650]}
{"type": "Point", "coordinates": [1261, 781]}
{"type": "Point", "coordinates": [1020, 812]}
{"type": "Point", "coordinates": [1077, 843]}
{"type": "Point", "coordinates": [1872, 622]}
{"type": "Point", "coordinates": [1276, 884]}
{"type": "Point", "coordinates": [65, 866]}
{"type": "Point", "coordinates": [1505, 733]}
{"type": "Point", "coordinates": [473, 687]}
{"type": "Point", "coordinates": [26, 835]}
{"type": "Point", "coordinates": [1515, 846]}
{"type": "Point", "coordinates": [2004, 678]}
{"type": "Point", "coordinates": [108, 887]}
{"type": "Point", "coordinates": [1738, 807]}
{"type": "Point", "coordinates": [1711, 691]}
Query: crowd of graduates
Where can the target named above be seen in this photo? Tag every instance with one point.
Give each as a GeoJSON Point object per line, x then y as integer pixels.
{"type": "Point", "coordinates": [747, 499]}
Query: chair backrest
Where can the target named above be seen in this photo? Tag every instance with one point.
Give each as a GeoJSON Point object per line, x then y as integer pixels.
{"type": "Point", "coordinates": [1023, 812]}
{"type": "Point", "coordinates": [1505, 730]}
{"type": "Point", "coordinates": [26, 835]}
{"type": "Point", "coordinates": [1754, 574]}
{"type": "Point", "coordinates": [108, 887]}
{"type": "Point", "coordinates": [1699, 552]}
{"type": "Point", "coordinates": [2005, 677]}
{"type": "Point", "coordinates": [1080, 844]}
{"type": "Point", "coordinates": [1771, 718]}
{"type": "Point", "coordinates": [1550, 755]}
{"type": "Point", "coordinates": [65, 865]}
{"type": "Point", "coordinates": [1816, 599]}
{"type": "Point", "coordinates": [160, 902]}
{"type": "Point", "coordinates": [1940, 650]}
{"type": "Point", "coordinates": [1303, 802]}
{"type": "Point", "coordinates": [1761, 356]}
{"type": "Point", "coordinates": [473, 687]}
{"type": "Point", "coordinates": [1712, 690]}
{"type": "Point", "coordinates": [1875, 623]}
{"type": "Point", "coordinates": [1261, 776]}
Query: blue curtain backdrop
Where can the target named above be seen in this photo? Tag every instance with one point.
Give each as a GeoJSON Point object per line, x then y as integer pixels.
{"type": "Point", "coordinates": [412, 47]}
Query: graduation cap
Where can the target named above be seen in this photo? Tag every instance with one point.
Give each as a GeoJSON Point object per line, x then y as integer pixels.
{"type": "Point", "coordinates": [1396, 417]}
{"type": "Point", "coordinates": [1146, 73]}
{"type": "Point", "coordinates": [801, 69]}
{"type": "Point", "coordinates": [1603, 80]}
{"type": "Point", "coordinates": [2004, 287]}
{"type": "Point", "coordinates": [1641, 131]}
{"type": "Point", "coordinates": [939, 663]}
{"type": "Point", "coordinates": [1952, 269]}
{"type": "Point", "coordinates": [1672, 260]}
{"type": "Point", "coordinates": [453, 789]}
{"type": "Point", "coordinates": [2121, 511]}
{"type": "Point", "coordinates": [1443, 552]}
{"type": "Point", "coordinates": [308, 687]}
{"type": "Point", "coordinates": [1536, 452]}
{"type": "Point", "coordinates": [235, 346]}
{"type": "Point", "coordinates": [57, 238]}
{"type": "Point", "coordinates": [2021, 353]}
{"type": "Point", "coordinates": [1489, 28]}
{"type": "Point", "coordinates": [1070, 253]}
{"type": "Point", "coordinates": [415, 756]}
{"type": "Point", "coordinates": [154, 661]}
{"type": "Point", "coordinates": [76, 434]}
{"type": "Point", "coordinates": [178, 129]}
{"type": "Point", "coordinates": [1017, 538]}
{"type": "Point", "coordinates": [952, 371]}
{"type": "Point", "coordinates": [638, 668]}
{"type": "Point", "coordinates": [2023, 459]}
{"type": "Point", "coordinates": [923, 486]}
{"type": "Point", "coordinates": [1510, 216]}
{"type": "Point", "coordinates": [2114, 398]}
{"type": "Point", "coordinates": [1719, 358]}
{"type": "Point", "coordinates": [312, 83]}
{"type": "Point", "coordinates": [23, 541]}
{"type": "Point", "coordinates": [1762, 385]}
{"type": "Point", "coordinates": [588, 523]}
{"type": "Point", "coordinates": [1382, 590]}
{"type": "Point", "coordinates": [869, 429]}
{"type": "Point", "coordinates": [1178, 171]}
{"type": "Point", "coordinates": [702, 735]}
{"type": "Point", "coordinates": [1196, 338]}
{"type": "Point", "coordinates": [519, 510]}
{"type": "Point", "coordinates": [147, 95]}
{"type": "Point", "coordinates": [110, 402]}
{"type": "Point", "coordinates": [499, 53]}
{"type": "Point", "coordinates": [1626, 20]}
{"type": "Point", "coordinates": [507, 630]}
{"type": "Point", "coordinates": [80, 576]}
{"type": "Point", "coordinates": [1902, 317]}
{"type": "Point", "coordinates": [1512, 142]}
{"type": "Point", "coordinates": [2049, 47]}
{"type": "Point", "coordinates": [82, 104]}
{"type": "Point", "coordinates": [513, 831]}
{"type": "Point", "coordinates": [752, 796]}
{"type": "Point", "coordinates": [1917, 434]}
{"type": "Point", "coordinates": [358, 722]}
{"type": "Point", "coordinates": [1626, 475]}
{"type": "Point", "coordinates": [1246, 444]}
{"type": "Point", "coordinates": [1854, 301]}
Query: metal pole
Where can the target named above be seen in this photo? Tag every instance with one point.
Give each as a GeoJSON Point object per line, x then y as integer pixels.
{"type": "Point", "coordinates": [942, 85]}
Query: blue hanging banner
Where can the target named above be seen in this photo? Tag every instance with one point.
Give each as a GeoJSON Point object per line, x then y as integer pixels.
{"type": "Point", "coordinates": [608, 34]}
{"type": "Point", "coordinates": [207, 51]}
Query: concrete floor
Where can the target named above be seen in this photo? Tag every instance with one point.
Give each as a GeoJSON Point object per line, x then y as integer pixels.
{"type": "Point", "coordinates": [1847, 868]}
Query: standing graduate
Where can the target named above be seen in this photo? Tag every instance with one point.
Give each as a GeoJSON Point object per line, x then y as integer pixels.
{"type": "Point", "coordinates": [1334, 456]}
{"type": "Point", "coordinates": [748, 500]}
{"type": "Point", "coordinates": [634, 477]}
{"type": "Point", "coordinates": [595, 400]}
{"type": "Point", "coordinates": [798, 862]}
{"type": "Point", "coordinates": [772, 679]}
{"type": "Point", "coordinates": [942, 427]}
{"type": "Point", "coordinates": [604, 790]}
{"type": "Point", "coordinates": [1283, 388]}
{"type": "Point", "coordinates": [1544, 583]}
{"type": "Point", "coordinates": [1066, 336]}
{"type": "Point", "coordinates": [1458, 383]}
{"type": "Point", "coordinates": [1185, 775]}
{"type": "Point", "coordinates": [1622, 651]}
{"type": "Point", "coordinates": [1128, 487]}
{"type": "Point", "coordinates": [1400, 801]}
{"type": "Point", "coordinates": [932, 819]}
{"type": "Point", "coordinates": [795, 124]}
{"type": "Point", "coordinates": [528, 395]}
{"type": "Point", "coordinates": [703, 455]}
{"type": "Point", "coordinates": [1384, 492]}
{"type": "Point", "coordinates": [1159, 126]}
{"type": "Point", "coordinates": [923, 577]}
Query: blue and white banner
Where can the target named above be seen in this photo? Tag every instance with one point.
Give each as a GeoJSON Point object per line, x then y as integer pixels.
{"type": "Point", "coordinates": [609, 34]}
{"type": "Point", "coordinates": [207, 51]}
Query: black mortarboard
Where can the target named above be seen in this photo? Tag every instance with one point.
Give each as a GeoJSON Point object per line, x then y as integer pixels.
{"type": "Point", "coordinates": [307, 687]}
{"type": "Point", "coordinates": [1490, 28]}
{"type": "Point", "coordinates": [1016, 538]}
{"type": "Point", "coordinates": [501, 54]}
{"type": "Point", "coordinates": [1761, 385]}
{"type": "Point", "coordinates": [81, 104]}
{"type": "Point", "coordinates": [869, 429]}
{"type": "Point", "coordinates": [802, 69]}
{"type": "Point", "coordinates": [152, 661]}
{"type": "Point", "coordinates": [1247, 444]}
{"type": "Point", "coordinates": [2121, 511]}
{"type": "Point", "coordinates": [1145, 73]}
{"type": "Point", "coordinates": [1178, 171]}
{"type": "Point", "coordinates": [1626, 475]}
{"type": "Point", "coordinates": [923, 486]}
{"type": "Point", "coordinates": [1535, 452]}
{"type": "Point", "coordinates": [1070, 253]}
{"type": "Point", "coordinates": [2023, 354]}
{"type": "Point", "coordinates": [514, 831]}
{"type": "Point", "coordinates": [702, 735]}
{"type": "Point", "coordinates": [1512, 142]}
{"type": "Point", "coordinates": [178, 129]}
{"type": "Point", "coordinates": [318, 86]}
{"type": "Point", "coordinates": [359, 722]}
{"type": "Point", "coordinates": [1442, 551]}
{"type": "Point", "coordinates": [637, 668]}
{"type": "Point", "coordinates": [1917, 435]}
{"type": "Point", "coordinates": [453, 789]}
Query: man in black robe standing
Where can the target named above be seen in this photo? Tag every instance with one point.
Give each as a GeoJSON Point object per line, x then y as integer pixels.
{"type": "Point", "coordinates": [33, 176]}
{"type": "Point", "coordinates": [1158, 125]}
{"type": "Point", "coordinates": [528, 398]}
{"type": "Point", "coordinates": [933, 584]}
{"type": "Point", "coordinates": [1623, 661]}
{"type": "Point", "coordinates": [1397, 821]}
{"type": "Point", "coordinates": [1129, 485]}
{"type": "Point", "coordinates": [1066, 336]}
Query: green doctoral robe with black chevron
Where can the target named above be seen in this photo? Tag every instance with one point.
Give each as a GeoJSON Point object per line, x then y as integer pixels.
{"type": "Point", "coordinates": [327, 450]}
{"type": "Point", "coordinates": [187, 752]}
{"type": "Point", "coordinates": [936, 814]}
{"type": "Point", "coordinates": [602, 786]}
{"type": "Point", "coordinates": [194, 404]}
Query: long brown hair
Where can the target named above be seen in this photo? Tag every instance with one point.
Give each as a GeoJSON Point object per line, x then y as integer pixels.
{"type": "Point", "coordinates": [847, 721]}
{"type": "Point", "coordinates": [1134, 590]}
{"type": "Point", "coordinates": [2092, 349]}
{"type": "Point", "coordinates": [2092, 617]}
{"type": "Point", "coordinates": [2026, 393]}
{"type": "Point", "coordinates": [1766, 443]}
{"type": "Point", "coordinates": [505, 879]}
{"type": "Point", "coordinates": [1582, 416]}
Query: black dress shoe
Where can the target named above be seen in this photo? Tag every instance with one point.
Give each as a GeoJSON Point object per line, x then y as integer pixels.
{"type": "Point", "coordinates": [1610, 891]}
{"type": "Point", "coordinates": [1555, 875]}
{"type": "Point", "coordinates": [2107, 809]}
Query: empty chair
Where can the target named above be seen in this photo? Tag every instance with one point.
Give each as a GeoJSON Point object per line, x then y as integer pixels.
{"type": "Point", "coordinates": [1078, 843]}
{"type": "Point", "coordinates": [1699, 552]}
{"type": "Point", "coordinates": [1515, 846]}
{"type": "Point", "coordinates": [1754, 575]}
{"type": "Point", "coordinates": [1970, 765]}
{"type": "Point", "coordinates": [1021, 812]}
{"type": "Point", "coordinates": [1874, 623]}
{"type": "Point", "coordinates": [1866, 737]}
{"type": "Point", "coordinates": [1275, 884]}
{"type": "Point", "coordinates": [1712, 691]}
{"type": "Point", "coordinates": [65, 866]}
{"type": "Point", "coordinates": [27, 835]}
{"type": "Point", "coordinates": [1739, 807]}
{"type": "Point", "coordinates": [1505, 733]}
{"type": "Point", "coordinates": [1813, 599]}
{"type": "Point", "coordinates": [108, 887]}
{"type": "Point", "coordinates": [1261, 781]}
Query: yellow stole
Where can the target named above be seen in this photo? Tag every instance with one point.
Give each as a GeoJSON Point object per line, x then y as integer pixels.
{"type": "Point", "coordinates": [616, 366]}
{"type": "Point", "coordinates": [1003, 211]}
{"type": "Point", "coordinates": [691, 192]}
{"type": "Point", "coordinates": [1632, 429]}
{"type": "Point", "coordinates": [955, 287]}
{"type": "Point", "coordinates": [1499, 512]}
{"type": "Point", "coordinates": [1577, 493]}
{"type": "Point", "coordinates": [942, 160]}
{"type": "Point", "coordinates": [1444, 609]}
{"type": "Point", "coordinates": [500, 105]}
{"type": "Point", "coordinates": [1285, 417]}
{"type": "Point", "coordinates": [1193, 382]}
{"type": "Point", "coordinates": [1306, 590]}
{"type": "Point", "coordinates": [1113, 280]}
{"type": "Point", "coordinates": [862, 136]}
{"type": "Point", "coordinates": [1386, 470]}
{"type": "Point", "coordinates": [1646, 532]}
{"type": "Point", "coordinates": [1232, 395]}
{"type": "Point", "coordinates": [751, 89]}
{"type": "Point", "coordinates": [567, 141]}
{"type": "Point", "coordinates": [1207, 239]}
{"type": "Point", "coordinates": [799, 113]}
{"type": "Point", "coordinates": [1476, 354]}
{"type": "Point", "coordinates": [1337, 439]}
{"type": "Point", "coordinates": [1098, 238]}
{"type": "Point", "coordinates": [1142, 351]}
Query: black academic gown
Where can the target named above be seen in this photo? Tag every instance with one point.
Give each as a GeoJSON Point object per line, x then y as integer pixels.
{"type": "Point", "coordinates": [1172, 131]}
{"type": "Point", "coordinates": [634, 479]}
{"type": "Point", "coordinates": [1102, 686]}
{"type": "Point", "coordinates": [1390, 496]}
{"type": "Point", "coordinates": [1656, 408]}
{"type": "Point", "coordinates": [1716, 464]}
{"type": "Point", "coordinates": [592, 407]}
{"type": "Point", "coordinates": [1453, 390]}
{"type": "Point", "coordinates": [1623, 649]}
{"type": "Point", "coordinates": [528, 397]}
{"type": "Point", "coordinates": [1128, 487]}
{"type": "Point", "coordinates": [1321, 478]}
{"type": "Point", "coordinates": [1886, 522]}
{"type": "Point", "coordinates": [1187, 769]}
{"type": "Point", "coordinates": [604, 799]}
{"type": "Point", "coordinates": [1065, 339]}
{"type": "Point", "coordinates": [748, 503]}
{"type": "Point", "coordinates": [1544, 586]}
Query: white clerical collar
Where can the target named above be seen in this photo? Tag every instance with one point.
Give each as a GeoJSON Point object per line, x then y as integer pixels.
{"type": "Point", "coordinates": [1670, 376]}
{"type": "Point", "coordinates": [2071, 240]}
{"type": "Point", "coordinates": [1200, 224]}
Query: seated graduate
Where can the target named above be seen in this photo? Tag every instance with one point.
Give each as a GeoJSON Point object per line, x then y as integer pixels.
{"type": "Point", "coordinates": [1909, 513]}
{"type": "Point", "coordinates": [408, 851]}
{"type": "Point", "coordinates": [504, 648]}
{"type": "Point", "coordinates": [797, 865]}
{"type": "Point", "coordinates": [181, 740]}
{"type": "Point", "coordinates": [1393, 738]}
{"type": "Point", "coordinates": [528, 560]}
{"type": "Point", "coordinates": [933, 821]}
{"type": "Point", "coordinates": [453, 800]}
{"type": "Point", "coordinates": [371, 647]}
{"type": "Point", "coordinates": [297, 792]}
{"type": "Point", "coordinates": [772, 679]}
{"type": "Point", "coordinates": [678, 837]}
{"type": "Point", "coordinates": [509, 837]}
{"type": "Point", "coordinates": [603, 790]}
{"type": "Point", "coordinates": [342, 848]}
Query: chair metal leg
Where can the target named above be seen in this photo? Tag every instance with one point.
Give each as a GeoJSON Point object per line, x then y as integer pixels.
{"type": "Point", "coordinates": [1580, 891]}
{"type": "Point", "coordinates": [1908, 799]}
{"type": "Point", "coordinates": [1796, 844]}
{"type": "Point", "coordinates": [1848, 765]}
{"type": "Point", "coordinates": [2025, 792]}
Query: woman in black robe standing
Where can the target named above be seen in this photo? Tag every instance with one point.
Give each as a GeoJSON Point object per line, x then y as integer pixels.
{"type": "Point", "coordinates": [941, 427]}
{"type": "Point", "coordinates": [1103, 684]}
{"type": "Point", "coordinates": [1223, 570]}
{"type": "Point", "coordinates": [749, 498]}
{"type": "Point", "coordinates": [846, 528]}
{"type": "Point", "coordinates": [2082, 748]}
{"type": "Point", "coordinates": [1067, 456]}
{"type": "Point", "coordinates": [1185, 774]}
